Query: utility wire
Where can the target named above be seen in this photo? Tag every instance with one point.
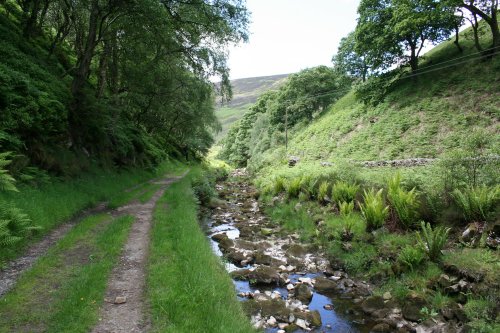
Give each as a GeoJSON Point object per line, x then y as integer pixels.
{"type": "Point", "coordinates": [331, 92]}
{"type": "Point", "coordinates": [454, 59]}
{"type": "Point", "coordinates": [443, 67]}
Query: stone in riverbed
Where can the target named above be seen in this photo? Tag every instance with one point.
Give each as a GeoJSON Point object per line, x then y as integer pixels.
{"type": "Point", "coordinates": [245, 245]}
{"type": "Point", "coordinates": [303, 293]}
{"type": "Point", "coordinates": [267, 307]}
{"type": "Point", "coordinates": [271, 321]}
{"type": "Point", "coordinates": [324, 285]}
{"type": "Point", "coordinates": [225, 243]}
{"type": "Point", "coordinates": [236, 257]}
{"type": "Point", "coordinates": [372, 304]}
{"type": "Point", "coordinates": [328, 307]}
{"type": "Point", "coordinates": [382, 328]}
{"type": "Point", "coordinates": [296, 250]}
{"type": "Point", "coordinates": [261, 275]}
{"type": "Point", "coordinates": [266, 231]}
{"type": "Point", "coordinates": [301, 323]}
{"type": "Point", "coordinates": [312, 317]}
{"type": "Point", "coordinates": [411, 308]}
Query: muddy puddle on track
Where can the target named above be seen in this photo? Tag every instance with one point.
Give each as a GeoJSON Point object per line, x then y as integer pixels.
{"type": "Point", "coordinates": [235, 232]}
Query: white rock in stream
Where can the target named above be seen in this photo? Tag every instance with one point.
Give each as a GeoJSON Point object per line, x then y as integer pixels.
{"type": "Point", "coordinates": [290, 268]}
{"type": "Point", "coordinates": [257, 321]}
{"type": "Point", "coordinates": [294, 304]}
{"type": "Point", "coordinates": [301, 323]}
{"type": "Point", "coordinates": [271, 321]}
{"type": "Point", "coordinates": [289, 287]}
{"type": "Point", "coordinates": [306, 281]}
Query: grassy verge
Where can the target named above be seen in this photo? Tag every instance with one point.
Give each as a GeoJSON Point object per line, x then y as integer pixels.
{"type": "Point", "coordinates": [51, 204]}
{"type": "Point", "coordinates": [188, 288]}
{"type": "Point", "coordinates": [65, 288]}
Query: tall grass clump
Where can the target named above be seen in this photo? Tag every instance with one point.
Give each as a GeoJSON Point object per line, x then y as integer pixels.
{"type": "Point", "coordinates": [477, 202]}
{"type": "Point", "coordinates": [279, 185]}
{"type": "Point", "coordinates": [293, 187]}
{"type": "Point", "coordinates": [344, 192]}
{"type": "Point", "coordinates": [308, 186]}
{"type": "Point", "coordinates": [431, 240]}
{"type": "Point", "coordinates": [346, 209]}
{"type": "Point", "coordinates": [411, 257]}
{"type": "Point", "coordinates": [323, 191]}
{"type": "Point", "coordinates": [373, 209]}
{"type": "Point", "coordinates": [405, 203]}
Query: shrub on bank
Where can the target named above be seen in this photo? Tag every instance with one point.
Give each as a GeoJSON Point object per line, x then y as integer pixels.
{"type": "Point", "coordinates": [405, 203]}
{"type": "Point", "coordinates": [373, 209]}
{"type": "Point", "coordinates": [431, 240]}
{"type": "Point", "coordinates": [477, 203]}
{"type": "Point", "coordinates": [344, 192]}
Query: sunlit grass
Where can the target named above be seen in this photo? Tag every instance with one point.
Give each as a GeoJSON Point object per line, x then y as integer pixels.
{"type": "Point", "coordinates": [65, 288]}
{"type": "Point", "coordinates": [188, 288]}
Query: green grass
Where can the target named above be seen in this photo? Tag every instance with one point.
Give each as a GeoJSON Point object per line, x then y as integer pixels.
{"type": "Point", "coordinates": [426, 117]}
{"type": "Point", "coordinates": [411, 282]}
{"type": "Point", "coordinates": [65, 288]}
{"type": "Point", "coordinates": [52, 204]}
{"type": "Point", "coordinates": [479, 260]}
{"type": "Point", "coordinates": [187, 286]}
{"type": "Point", "coordinates": [335, 224]}
{"type": "Point", "coordinates": [293, 218]}
{"type": "Point", "coordinates": [227, 115]}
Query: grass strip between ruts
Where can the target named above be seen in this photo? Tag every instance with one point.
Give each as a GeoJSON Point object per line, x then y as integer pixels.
{"type": "Point", "coordinates": [188, 288]}
{"type": "Point", "coordinates": [64, 290]}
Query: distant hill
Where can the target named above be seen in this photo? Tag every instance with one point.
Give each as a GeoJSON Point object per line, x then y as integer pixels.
{"type": "Point", "coordinates": [245, 93]}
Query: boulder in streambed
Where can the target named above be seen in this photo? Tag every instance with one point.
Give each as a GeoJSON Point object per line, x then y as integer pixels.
{"type": "Point", "coordinates": [267, 307]}
{"type": "Point", "coordinates": [312, 317]}
{"type": "Point", "coordinates": [295, 250]}
{"type": "Point", "coordinates": [411, 308]}
{"type": "Point", "coordinates": [372, 304]}
{"type": "Point", "coordinates": [382, 328]}
{"type": "Point", "coordinates": [261, 275]}
{"type": "Point", "coordinates": [324, 285]}
{"type": "Point", "coordinates": [245, 245]}
{"type": "Point", "coordinates": [237, 257]}
{"type": "Point", "coordinates": [224, 243]}
{"type": "Point", "coordinates": [266, 231]}
{"type": "Point", "coordinates": [303, 293]}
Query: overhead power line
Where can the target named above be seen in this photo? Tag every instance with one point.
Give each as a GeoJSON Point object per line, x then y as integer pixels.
{"type": "Point", "coordinates": [331, 92]}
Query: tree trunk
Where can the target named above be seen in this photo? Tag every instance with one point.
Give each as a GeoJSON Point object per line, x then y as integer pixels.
{"type": "Point", "coordinates": [31, 14]}
{"type": "Point", "coordinates": [495, 30]}
{"type": "Point", "coordinates": [82, 72]}
{"type": "Point", "coordinates": [492, 20]}
{"type": "Point", "coordinates": [475, 30]}
{"type": "Point", "coordinates": [413, 56]}
{"type": "Point", "coordinates": [103, 67]}
{"type": "Point", "coordinates": [456, 42]}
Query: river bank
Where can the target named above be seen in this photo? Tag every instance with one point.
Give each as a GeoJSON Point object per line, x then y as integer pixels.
{"type": "Point", "coordinates": [289, 286]}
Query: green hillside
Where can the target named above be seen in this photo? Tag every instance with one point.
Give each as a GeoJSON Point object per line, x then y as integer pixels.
{"type": "Point", "coordinates": [425, 115]}
{"type": "Point", "coordinates": [245, 93]}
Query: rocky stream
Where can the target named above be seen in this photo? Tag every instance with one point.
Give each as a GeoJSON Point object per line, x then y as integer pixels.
{"type": "Point", "coordinates": [287, 286]}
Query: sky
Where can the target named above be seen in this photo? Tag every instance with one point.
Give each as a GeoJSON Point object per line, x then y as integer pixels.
{"type": "Point", "coordinates": [289, 35]}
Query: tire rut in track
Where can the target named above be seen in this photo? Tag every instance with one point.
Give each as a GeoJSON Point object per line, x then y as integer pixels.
{"type": "Point", "coordinates": [123, 309]}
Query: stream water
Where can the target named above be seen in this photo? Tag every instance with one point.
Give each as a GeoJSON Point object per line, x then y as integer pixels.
{"type": "Point", "coordinates": [338, 311]}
